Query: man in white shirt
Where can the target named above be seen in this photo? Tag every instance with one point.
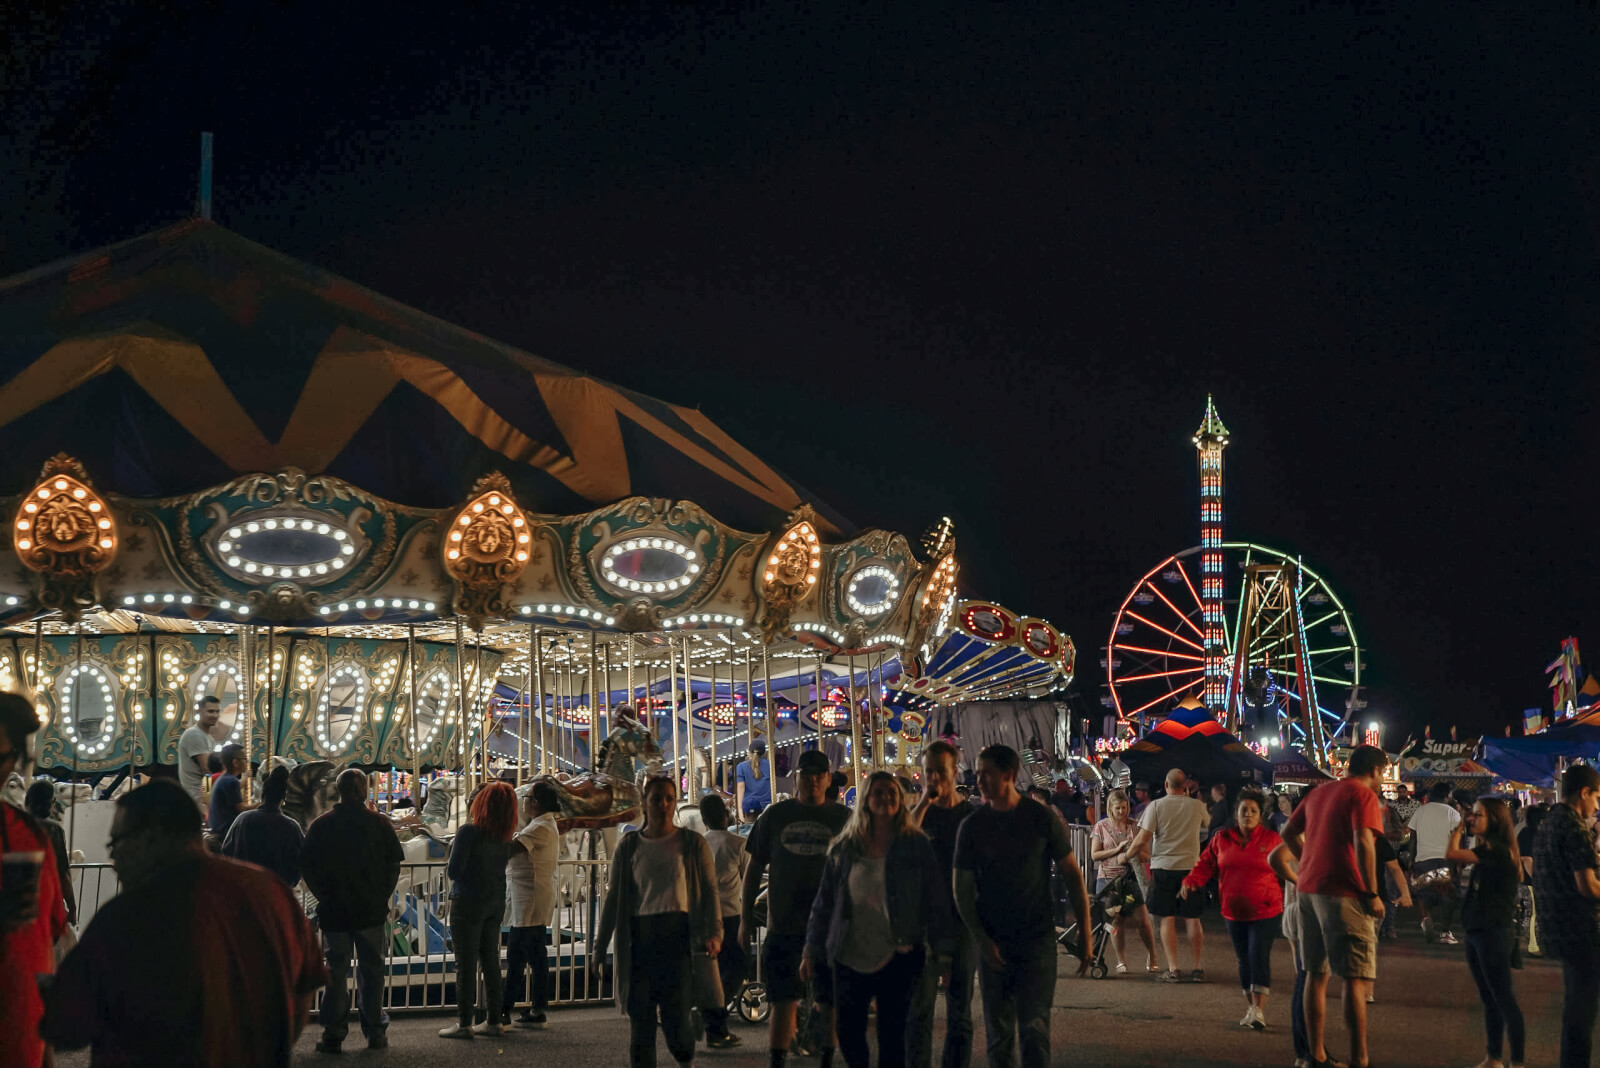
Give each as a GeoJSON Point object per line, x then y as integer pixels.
{"type": "Point", "coordinates": [1432, 824]}
{"type": "Point", "coordinates": [195, 748]}
{"type": "Point", "coordinates": [1172, 824]}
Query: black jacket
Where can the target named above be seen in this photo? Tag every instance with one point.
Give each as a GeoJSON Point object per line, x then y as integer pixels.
{"type": "Point", "coordinates": [351, 861]}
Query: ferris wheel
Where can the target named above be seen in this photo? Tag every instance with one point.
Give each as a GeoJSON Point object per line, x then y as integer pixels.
{"type": "Point", "coordinates": [1299, 642]}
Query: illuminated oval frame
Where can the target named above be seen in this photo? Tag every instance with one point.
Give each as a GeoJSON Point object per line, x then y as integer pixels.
{"type": "Point", "coordinates": [322, 721]}
{"type": "Point", "coordinates": [65, 683]}
{"type": "Point", "coordinates": [634, 541]}
{"type": "Point", "coordinates": [204, 675]}
{"type": "Point", "coordinates": [221, 546]}
{"type": "Point", "coordinates": [872, 570]}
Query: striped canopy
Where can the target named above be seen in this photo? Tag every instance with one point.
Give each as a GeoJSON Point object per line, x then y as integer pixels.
{"type": "Point", "coordinates": [185, 357]}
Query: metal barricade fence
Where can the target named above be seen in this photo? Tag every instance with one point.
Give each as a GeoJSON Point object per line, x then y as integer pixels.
{"type": "Point", "coordinates": [1078, 835]}
{"type": "Point", "coordinates": [420, 973]}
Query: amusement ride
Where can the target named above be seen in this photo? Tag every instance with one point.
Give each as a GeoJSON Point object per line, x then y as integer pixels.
{"type": "Point", "coordinates": [1258, 637]}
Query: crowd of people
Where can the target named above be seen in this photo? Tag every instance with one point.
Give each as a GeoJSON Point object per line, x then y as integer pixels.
{"type": "Point", "coordinates": [868, 912]}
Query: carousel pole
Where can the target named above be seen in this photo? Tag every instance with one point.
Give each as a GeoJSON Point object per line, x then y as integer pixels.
{"type": "Point", "coordinates": [524, 742]}
{"type": "Point", "coordinates": [411, 719]}
{"type": "Point", "coordinates": [688, 714]}
{"type": "Point", "coordinates": [632, 695]}
{"type": "Point", "coordinates": [250, 718]}
{"type": "Point", "coordinates": [818, 706]}
{"type": "Point", "coordinates": [461, 714]}
{"type": "Point", "coordinates": [672, 709]}
{"type": "Point", "coordinates": [536, 657]}
{"type": "Point", "coordinates": [769, 715]}
{"type": "Point", "coordinates": [77, 687]}
{"type": "Point", "coordinates": [749, 705]}
{"type": "Point", "coordinates": [595, 723]}
{"type": "Point", "coordinates": [481, 700]}
{"type": "Point", "coordinates": [855, 731]}
{"type": "Point", "coordinates": [606, 689]}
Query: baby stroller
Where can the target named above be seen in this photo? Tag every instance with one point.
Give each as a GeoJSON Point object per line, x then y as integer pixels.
{"type": "Point", "coordinates": [1120, 894]}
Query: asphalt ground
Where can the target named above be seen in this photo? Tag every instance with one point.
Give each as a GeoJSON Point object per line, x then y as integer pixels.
{"type": "Point", "coordinates": [1427, 1014]}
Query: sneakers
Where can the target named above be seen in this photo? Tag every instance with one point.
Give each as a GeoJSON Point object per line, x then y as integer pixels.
{"type": "Point", "coordinates": [722, 1041]}
{"type": "Point", "coordinates": [1249, 1016]}
{"type": "Point", "coordinates": [1253, 1019]}
{"type": "Point", "coordinates": [1122, 969]}
{"type": "Point", "coordinates": [456, 1031]}
{"type": "Point", "coordinates": [324, 1046]}
{"type": "Point", "coordinates": [1197, 976]}
{"type": "Point", "coordinates": [535, 1020]}
{"type": "Point", "coordinates": [1448, 939]}
{"type": "Point", "coordinates": [490, 1027]}
{"type": "Point", "coordinates": [1169, 977]}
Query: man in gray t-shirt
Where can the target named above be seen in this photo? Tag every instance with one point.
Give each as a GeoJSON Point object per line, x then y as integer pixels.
{"type": "Point", "coordinates": [1172, 825]}
{"type": "Point", "coordinates": [195, 748]}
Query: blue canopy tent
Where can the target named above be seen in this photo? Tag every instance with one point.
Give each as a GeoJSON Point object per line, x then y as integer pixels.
{"type": "Point", "coordinates": [1534, 759]}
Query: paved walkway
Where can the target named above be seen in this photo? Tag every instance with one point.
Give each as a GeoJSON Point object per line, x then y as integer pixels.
{"type": "Point", "coordinates": [1427, 1015]}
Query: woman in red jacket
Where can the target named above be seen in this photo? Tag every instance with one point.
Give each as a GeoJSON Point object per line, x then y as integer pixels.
{"type": "Point", "coordinates": [1252, 900]}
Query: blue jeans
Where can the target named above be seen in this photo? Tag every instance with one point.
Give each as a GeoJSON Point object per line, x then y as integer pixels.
{"type": "Point", "coordinates": [525, 949]}
{"type": "Point", "coordinates": [370, 950]}
{"type": "Point", "coordinates": [957, 1011]}
{"type": "Point", "coordinates": [1252, 944]}
{"type": "Point", "coordinates": [892, 988]}
{"type": "Point", "coordinates": [1016, 1002]}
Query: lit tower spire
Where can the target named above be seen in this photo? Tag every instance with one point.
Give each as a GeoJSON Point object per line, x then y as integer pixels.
{"type": "Point", "coordinates": [1209, 441]}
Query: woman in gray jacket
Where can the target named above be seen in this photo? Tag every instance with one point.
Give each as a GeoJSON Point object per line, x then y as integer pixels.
{"type": "Point", "coordinates": [661, 905]}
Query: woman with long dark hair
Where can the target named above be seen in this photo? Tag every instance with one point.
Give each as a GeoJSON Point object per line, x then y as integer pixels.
{"type": "Point", "coordinates": [662, 906]}
{"type": "Point", "coordinates": [1252, 900]}
{"type": "Point", "coordinates": [477, 869]}
{"type": "Point", "coordinates": [1488, 913]}
{"type": "Point", "coordinates": [877, 909]}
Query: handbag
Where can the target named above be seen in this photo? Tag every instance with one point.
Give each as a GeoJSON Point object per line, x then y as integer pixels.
{"type": "Point", "coordinates": [705, 981]}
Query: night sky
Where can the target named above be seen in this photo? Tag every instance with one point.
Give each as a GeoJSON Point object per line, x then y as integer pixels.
{"type": "Point", "coordinates": [982, 260]}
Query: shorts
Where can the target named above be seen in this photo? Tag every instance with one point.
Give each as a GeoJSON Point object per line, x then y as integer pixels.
{"type": "Point", "coordinates": [1164, 900]}
{"type": "Point", "coordinates": [780, 970]}
{"type": "Point", "coordinates": [1338, 934]}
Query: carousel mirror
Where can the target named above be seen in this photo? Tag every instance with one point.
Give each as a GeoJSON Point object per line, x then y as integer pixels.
{"type": "Point", "coordinates": [88, 713]}
{"type": "Point", "coordinates": [344, 694]}
{"type": "Point", "coordinates": [650, 565]}
{"type": "Point", "coordinates": [431, 706]}
{"type": "Point", "coordinates": [222, 682]}
{"type": "Point", "coordinates": [872, 590]}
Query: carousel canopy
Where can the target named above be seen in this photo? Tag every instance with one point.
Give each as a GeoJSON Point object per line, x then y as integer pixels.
{"type": "Point", "coordinates": [1192, 739]}
{"type": "Point", "coordinates": [189, 356]}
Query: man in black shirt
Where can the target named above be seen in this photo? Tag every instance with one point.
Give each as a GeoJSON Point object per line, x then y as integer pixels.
{"type": "Point", "coordinates": [1566, 884]}
{"type": "Point", "coordinates": [1002, 885]}
{"type": "Point", "coordinates": [940, 813]}
{"type": "Point", "coordinates": [790, 843]}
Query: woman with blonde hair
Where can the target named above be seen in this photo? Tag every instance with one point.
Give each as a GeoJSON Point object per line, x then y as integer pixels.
{"type": "Point", "coordinates": [1109, 844]}
{"type": "Point", "coordinates": [877, 910]}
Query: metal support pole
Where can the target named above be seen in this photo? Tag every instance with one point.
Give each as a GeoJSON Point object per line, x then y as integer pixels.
{"type": "Point", "coordinates": [771, 715]}
{"type": "Point", "coordinates": [672, 704]}
{"type": "Point", "coordinates": [855, 734]}
{"type": "Point", "coordinates": [605, 724]}
{"type": "Point", "coordinates": [461, 714]}
{"type": "Point", "coordinates": [594, 700]}
{"type": "Point", "coordinates": [536, 652]}
{"type": "Point", "coordinates": [416, 754]}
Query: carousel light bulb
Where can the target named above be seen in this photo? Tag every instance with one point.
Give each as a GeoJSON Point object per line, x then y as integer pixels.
{"type": "Point", "coordinates": [61, 483]}
{"type": "Point", "coordinates": [347, 549]}
{"type": "Point", "coordinates": [336, 563]}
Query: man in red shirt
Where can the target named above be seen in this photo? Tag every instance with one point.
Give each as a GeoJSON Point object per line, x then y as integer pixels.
{"type": "Point", "coordinates": [29, 925]}
{"type": "Point", "coordinates": [1333, 834]}
{"type": "Point", "coordinates": [198, 961]}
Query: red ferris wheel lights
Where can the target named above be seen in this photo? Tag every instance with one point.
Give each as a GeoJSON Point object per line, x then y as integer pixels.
{"type": "Point", "coordinates": [1169, 633]}
{"type": "Point", "coordinates": [1175, 611]}
{"type": "Point", "coordinates": [1158, 700]}
{"type": "Point", "coordinates": [1184, 572]}
{"type": "Point", "coordinates": [1160, 674]}
{"type": "Point", "coordinates": [1160, 652]}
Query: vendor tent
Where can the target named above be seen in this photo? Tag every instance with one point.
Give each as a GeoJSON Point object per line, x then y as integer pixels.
{"type": "Point", "coordinates": [1192, 739]}
{"type": "Point", "coordinates": [1291, 765]}
{"type": "Point", "coordinates": [1535, 759]}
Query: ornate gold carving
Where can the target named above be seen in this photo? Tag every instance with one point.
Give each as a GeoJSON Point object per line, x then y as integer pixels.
{"type": "Point", "coordinates": [64, 533]}
{"type": "Point", "coordinates": [486, 549]}
{"type": "Point", "coordinates": [792, 567]}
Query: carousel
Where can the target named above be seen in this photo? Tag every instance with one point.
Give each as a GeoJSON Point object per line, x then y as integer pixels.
{"type": "Point", "coordinates": [387, 542]}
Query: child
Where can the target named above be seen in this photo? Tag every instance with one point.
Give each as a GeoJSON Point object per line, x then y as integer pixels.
{"type": "Point", "coordinates": [1283, 863]}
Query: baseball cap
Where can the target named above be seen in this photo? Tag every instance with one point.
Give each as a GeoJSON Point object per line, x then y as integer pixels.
{"type": "Point", "coordinates": [814, 761]}
{"type": "Point", "coordinates": [758, 746]}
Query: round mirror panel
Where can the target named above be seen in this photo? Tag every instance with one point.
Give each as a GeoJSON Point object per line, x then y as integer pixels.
{"type": "Point", "coordinates": [344, 695]}
{"type": "Point", "coordinates": [88, 713]}
{"type": "Point", "coordinates": [222, 682]}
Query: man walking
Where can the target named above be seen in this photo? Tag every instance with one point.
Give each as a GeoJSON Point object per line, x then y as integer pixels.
{"type": "Point", "coordinates": [195, 748]}
{"type": "Point", "coordinates": [351, 861]}
{"type": "Point", "coordinates": [199, 960]}
{"type": "Point", "coordinates": [790, 844]}
{"type": "Point", "coordinates": [1433, 823]}
{"type": "Point", "coordinates": [1333, 835]}
{"type": "Point", "coordinates": [1172, 825]}
{"type": "Point", "coordinates": [940, 814]}
{"type": "Point", "coordinates": [1002, 890]}
{"type": "Point", "coordinates": [1566, 883]}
